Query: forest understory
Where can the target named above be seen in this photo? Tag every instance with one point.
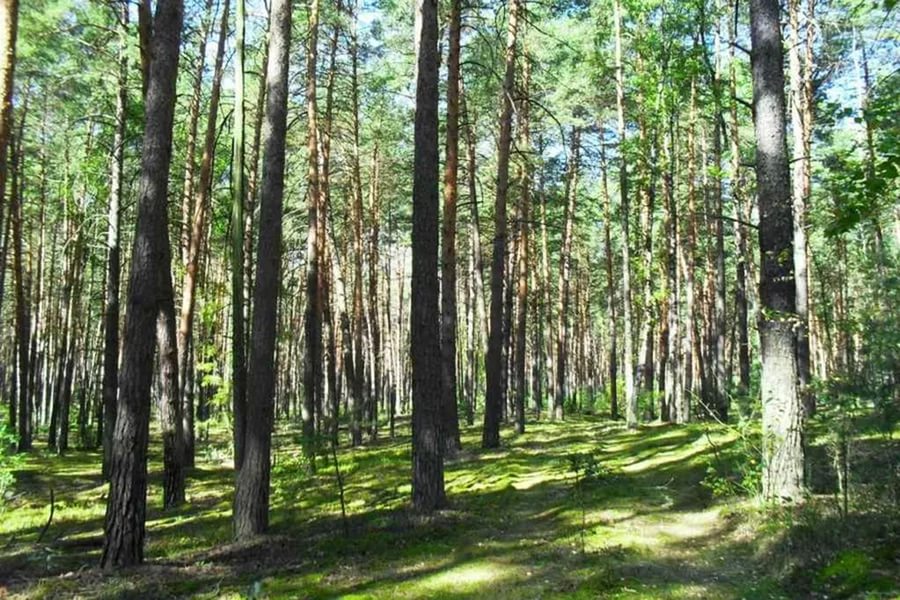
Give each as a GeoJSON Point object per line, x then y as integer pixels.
{"type": "Point", "coordinates": [582, 509]}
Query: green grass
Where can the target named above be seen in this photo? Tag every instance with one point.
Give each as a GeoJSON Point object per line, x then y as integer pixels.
{"type": "Point", "coordinates": [514, 528]}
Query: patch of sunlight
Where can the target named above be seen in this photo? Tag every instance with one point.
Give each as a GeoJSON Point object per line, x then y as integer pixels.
{"type": "Point", "coordinates": [666, 457]}
{"type": "Point", "coordinates": [651, 531]}
{"type": "Point", "coordinates": [690, 525]}
{"type": "Point", "coordinates": [535, 478]}
{"type": "Point", "coordinates": [466, 577]}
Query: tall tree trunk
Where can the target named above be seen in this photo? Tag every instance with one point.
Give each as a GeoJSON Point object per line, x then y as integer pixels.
{"type": "Point", "coordinates": [9, 25]}
{"type": "Point", "coordinates": [783, 454]}
{"type": "Point", "coordinates": [801, 126]}
{"type": "Point", "coordinates": [719, 377]}
{"type": "Point", "coordinates": [312, 379]}
{"type": "Point", "coordinates": [647, 198]}
{"type": "Point", "coordinates": [190, 163]}
{"type": "Point", "coordinates": [522, 254]}
{"type": "Point", "coordinates": [741, 233]}
{"type": "Point", "coordinates": [613, 373]}
{"type": "Point", "coordinates": [565, 258]}
{"type": "Point", "coordinates": [113, 260]}
{"type": "Point", "coordinates": [450, 418]}
{"type": "Point", "coordinates": [22, 413]}
{"type": "Point", "coordinates": [686, 253]}
{"type": "Point", "coordinates": [374, 293]}
{"type": "Point", "coordinates": [631, 400]}
{"type": "Point", "coordinates": [425, 348]}
{"type": "Point", "coordinates": [327, 269]}
{"type": "Point", "coordinates": [493, 402]}
{"type": "Point", "coordinates": [673, 363]}
{"type": "Point", "coordinates": [474, 241]}
{"type": "Point", "coordinates": [363, 400]}
{"type": "Point", "coordinates": [251, 497]}
{"type": "Point", "coordinates": [150, 280]}
{"type": "Point", "coordinates": [198, 226]}
{"type": "Point", "coordinates": [238, 239]}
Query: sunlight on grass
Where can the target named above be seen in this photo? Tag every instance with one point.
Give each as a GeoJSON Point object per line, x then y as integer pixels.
{"type": "Point", "coordinates": [463, 578]}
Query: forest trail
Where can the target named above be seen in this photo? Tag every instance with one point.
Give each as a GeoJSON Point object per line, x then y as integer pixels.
{"type": "Point", "coordinates": [514, 529]}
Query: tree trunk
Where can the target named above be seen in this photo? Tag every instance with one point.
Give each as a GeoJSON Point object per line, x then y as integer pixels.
{"type": "Point", "coordinates": [362, 399]}
{"type": "Point", "coordinates": [150, 280]}
{"type": "Point", "coordinates": [783, 454]}
{"type": "Point", "coordinates": [113, 261]}
{"type": "Point", "coordinates": [22, 413]}
{"type": "Point", "coordinates": [425, 348]}
{"type": "Point", "coordinates": [238, 239]}
{"type": "Point", "coordinates": [493, 402]}
{"type": "Point", "coordinates": [673, 363]}
{"type": "Point", "coordinates": [523, 224]}
{"type": "Point", "coordinates": [631, 400]}
{"type": "Point", "coordinates": [198, 225]}
{"type": "Point", "coordinates": [613, 373]}
{"type": "Point", "coordinates": [251, 497]}
{"type": "Point", "coordinates": [312, 380]}
{"type": "Point", "coordinates": [741, 233]}
{"type": "Point", "coordinates": [450, 416]}
{"type": "Point", "coordinates": [801, 127]}
{"type": "Point", "coordinates": [190, 164]}
{"type": "Point", "coordinates": [565, 258]}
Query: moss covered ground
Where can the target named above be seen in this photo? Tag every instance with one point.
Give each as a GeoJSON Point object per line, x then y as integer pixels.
{"type": "Point", "coordinates": [642, 523]}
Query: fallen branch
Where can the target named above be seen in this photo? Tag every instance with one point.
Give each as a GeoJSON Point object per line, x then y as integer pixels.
{"type": "Point", "coordinates": [49, 519]}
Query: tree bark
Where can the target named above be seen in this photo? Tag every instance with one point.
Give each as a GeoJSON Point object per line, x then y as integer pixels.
{"type": "Point", "coordinates": [21, 415]}
{"type": "Point", "coordinates": [631, 399]}
{"type": "Point", "coordinates": [198, 226]}
{"type": "Point", "coordinates": [113, 249]}
{"type": "Point", "coordinates": [150, 280]}
{"type": "Point", "coordinates": [190, 164]}
{"type": "Point", "coordinates": [801, 127]}
{"type": "Point", "coordinates": [425, 348]}
{"type": "Point", "coordinates": [522, 254]}
{"type": "Point", "coordinates": [238, 239]}
{"type": "Point", "coordinates": [251, 498]}
{"type": "Point", "coordinates": [565, 258]}
{"type": "Point", "coordinates": [493, 402]}
{"type": "Point", "coordinates": [313, 367]}
{"type": "Point", "coordinates": [783, 453]}
{"type": "Point", "coordinates": [613, 373]}
{"type": "Point", "coordinates": [450, 415]}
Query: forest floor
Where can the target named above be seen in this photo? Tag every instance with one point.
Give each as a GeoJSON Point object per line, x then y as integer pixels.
{"type": "Point", "coordinates": [641, 525]}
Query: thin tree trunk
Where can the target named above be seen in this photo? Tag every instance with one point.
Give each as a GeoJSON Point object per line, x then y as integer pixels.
{"type": "Point", "coordinates": [673, 363]}
{"type": "Point", "coordinates": [493, 403]}
{"type": "Point", "coordinates": [313, 388]}
{"type": "Point", "coordinates": [523, 218]}
{"type": "Point", "coordinates": [190, 163]}
{"type": "Point", "coordinates": [740, 228]}
{"type": "Point", "coordinates": [565, 258]}
{"type": "Point", "coordinates": [631, 400]}
{"type": "Point", "coordinates": [198, 225]}
{"type": "Point", "coordinates": [238, 240]}
{"type": "Point", "coordinates": [21, 413]}
{"type": "Point", "coordinates": [612, 384]}
{"type": "Point", "coordinates": [359, 388]}
{"type": "Point", "coordinates": [113, 266]}
{"type": "Point", "coordinates": [450, 416]}
{"type": "Point", "coordinates": [801, 127]}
